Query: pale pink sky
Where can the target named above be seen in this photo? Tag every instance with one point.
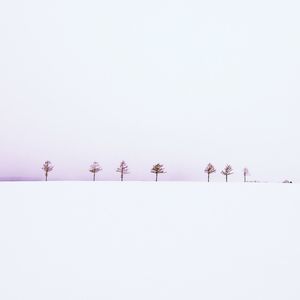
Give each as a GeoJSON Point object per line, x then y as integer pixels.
{"type": "Point", "coordinates": [182, 83]}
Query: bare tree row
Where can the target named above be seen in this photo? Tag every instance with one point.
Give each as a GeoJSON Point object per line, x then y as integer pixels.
{"type": "Point", "coordinates": [156, 169]}
{"type": "Point", "coordinates": [227, 171]}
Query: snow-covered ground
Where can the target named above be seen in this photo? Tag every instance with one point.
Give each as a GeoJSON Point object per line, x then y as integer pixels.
{"type": "Point", "coordinates": [149, 241]}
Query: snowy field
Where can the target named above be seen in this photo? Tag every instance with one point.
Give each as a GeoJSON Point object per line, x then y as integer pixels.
{"type": "Point", "coordinates": [149, 241]}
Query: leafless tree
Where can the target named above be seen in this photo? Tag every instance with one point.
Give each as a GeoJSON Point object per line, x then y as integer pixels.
{"type": "Point", "coordinates": [95, 168]}
{"type": "Point", "coordinates": [246, 173]}
{"type": "Point", "coordinates": [158, 169]}
{"type": "Point", "coordinates": [47, 167]}
{"type": "Point", "coordinates": [123, 169]}
{"type": "Point", "coordinates": [209, 170]}
{"type": "Point", "coordinates": [227, 171]}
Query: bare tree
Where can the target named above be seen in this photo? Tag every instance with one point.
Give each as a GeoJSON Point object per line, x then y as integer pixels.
{"type": "Point", "coordinates": [47, 167]}
{"type": "Point", "coordinates": [227, 171]}
{"type": "Point", "coordinates": [158, 169]}
{"type": "Point", "coordinates": [123, 169]}
{"type": "Point", "coordinates": [209, 170]}
{"type": "Point", "coordinates": [95, 168]}
{"type": "Point", "coordinates": [246, 173]}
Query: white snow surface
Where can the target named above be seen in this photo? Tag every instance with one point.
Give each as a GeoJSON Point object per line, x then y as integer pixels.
{"type": "Point", "coordinates": [148, 240]}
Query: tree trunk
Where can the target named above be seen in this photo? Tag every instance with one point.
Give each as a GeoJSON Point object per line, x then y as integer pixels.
{"type": "Point", "coordinates": [46, 175]}
{"type": "Point", "coordinates": [156, 175]}
{"type": "Point", "coordinates": [245, 179]}
{"type": "Point", "coordinates": [94, 176]}
{"type": "Point", "coordinates": [207, 177]}
{"type": "Point", "coordinates": [226, 178]}
{"type": "Point", "coordinates": [121, 175]}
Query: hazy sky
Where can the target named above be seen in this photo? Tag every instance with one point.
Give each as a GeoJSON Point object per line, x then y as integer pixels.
{"type": "Point", "coordinates": [182, 83]}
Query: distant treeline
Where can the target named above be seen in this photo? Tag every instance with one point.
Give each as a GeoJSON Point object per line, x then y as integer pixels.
{"type": "Point", "coordinates": [157, 169]}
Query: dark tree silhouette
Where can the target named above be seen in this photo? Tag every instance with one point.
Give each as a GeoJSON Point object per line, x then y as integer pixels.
{"type": "Point", "coordinates": [209, 170]}
{"type": "Point", "coordinates": [227, 171]}
{"type": "Point", "coordinates": [123, 169]}
{"type": "Point", "coordinates": [246, 173]}
{"type": "Point", "coordinates": [95, 168]}
{"type": "Point", "coordinates": [158, 169]}
{"type": "Point", "coordinates": [47, 167]}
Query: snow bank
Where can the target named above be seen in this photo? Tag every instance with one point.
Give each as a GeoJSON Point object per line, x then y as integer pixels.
{"type": "Point", "coordinates": [147, 240]}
